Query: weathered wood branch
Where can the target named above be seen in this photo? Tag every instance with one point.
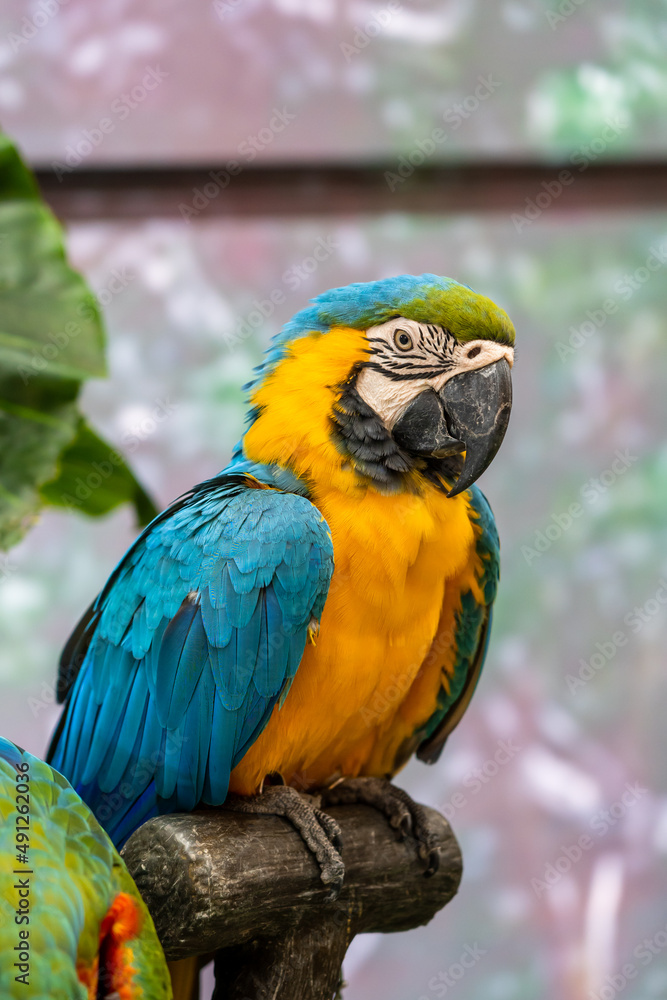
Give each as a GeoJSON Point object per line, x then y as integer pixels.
{"type": "Point", "coordinates": [246, 888]}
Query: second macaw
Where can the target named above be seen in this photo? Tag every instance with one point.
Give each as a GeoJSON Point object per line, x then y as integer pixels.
{"type": "Point", "coordinates": [319, 611]}
{"type": "Point", "coordinates": [72, 923]}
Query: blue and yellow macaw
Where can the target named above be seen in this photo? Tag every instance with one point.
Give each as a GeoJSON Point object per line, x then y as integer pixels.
{"type": "Point", "coordinates": [319, 611]}
{"type": "Point", "coordinates": [72, 923]}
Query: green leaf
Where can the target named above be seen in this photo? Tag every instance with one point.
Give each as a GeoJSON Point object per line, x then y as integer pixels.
{"type": "Point", "coordinates": [35, 426]}
{"type": "Point", "coordinates": [94, 478]}
{"type": "Point", "coordinates": [49, 320]}
{"type": "Point", "coordinates": [51, 340]}
{"type": "Point", "coordinates": [16, 182]}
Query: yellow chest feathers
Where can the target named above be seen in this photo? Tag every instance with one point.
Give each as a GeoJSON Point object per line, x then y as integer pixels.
{"type": "Point", "coordinates": [393, 556]}
{"type": "Point", "coordinates": [393, 559]}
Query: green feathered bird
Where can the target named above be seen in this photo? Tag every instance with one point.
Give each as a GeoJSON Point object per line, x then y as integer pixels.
{"type": "Point", "coordinates": [72, 923]}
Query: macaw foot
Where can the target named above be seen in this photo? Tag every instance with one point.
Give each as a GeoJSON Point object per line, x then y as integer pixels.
{"type": "Point", "coordinates": [319, 831]}
{"type": "Point", "coordinates": [406, 816]}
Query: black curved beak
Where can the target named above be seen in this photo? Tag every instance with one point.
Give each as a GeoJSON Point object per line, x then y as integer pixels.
{"type": "Point", "coordinates": [478, 406]}
{"type": "Point", "coordinates": [470, 414]}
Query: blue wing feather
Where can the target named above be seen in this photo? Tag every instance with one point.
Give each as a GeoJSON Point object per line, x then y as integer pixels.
{"type": "Point", "coordinates": [192, 642]}
{"type": "Point", "coordinates": [223, 747]}
{"type": "Point", "coordinates": [180, 661]}
{"type": "Point", "coordinates": [120, 751]}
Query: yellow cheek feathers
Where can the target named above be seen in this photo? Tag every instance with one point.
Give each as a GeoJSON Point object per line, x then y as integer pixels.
{"type": "Point", "coordinates": [295, 403]}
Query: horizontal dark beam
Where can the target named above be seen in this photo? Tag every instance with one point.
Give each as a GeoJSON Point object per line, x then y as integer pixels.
{"type": "Point", "coordinates": [218, 879]}
{"type": "Point", "coordinates": [194, 193]}
{"type": "Point", "coordinates": [245, 889]}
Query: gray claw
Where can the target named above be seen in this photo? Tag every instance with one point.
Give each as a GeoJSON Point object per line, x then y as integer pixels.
{"type": "Point", "coordinates": [319, 831]}
{"type": "Point", "coordinates": [431, 857]}
{"type": "Point", "coordinates": [405, 815]}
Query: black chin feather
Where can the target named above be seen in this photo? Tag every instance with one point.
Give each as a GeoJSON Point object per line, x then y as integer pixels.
{"type": "Point", "coordinates": [375, 456]}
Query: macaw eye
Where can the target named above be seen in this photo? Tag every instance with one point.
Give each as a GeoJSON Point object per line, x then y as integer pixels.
{"type": "Point", "coordinates": [403, 340]}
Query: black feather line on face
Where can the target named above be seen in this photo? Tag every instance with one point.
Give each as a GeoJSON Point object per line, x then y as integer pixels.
{"type": "Point", "coordinates": [430, 357]}
{"type": "Point", "coordinates": [375, 456]}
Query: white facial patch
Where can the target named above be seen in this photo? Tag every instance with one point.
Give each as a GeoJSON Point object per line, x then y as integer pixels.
{"type": "Point", "coordinates": [408, 357]}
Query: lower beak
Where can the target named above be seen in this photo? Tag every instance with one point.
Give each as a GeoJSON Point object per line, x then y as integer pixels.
{"type": "Point", "coordinates": [422, 428]}
{"type": "Point", "coordinates": [469, 414]}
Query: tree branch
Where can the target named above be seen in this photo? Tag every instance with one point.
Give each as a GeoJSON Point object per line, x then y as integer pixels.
{"type": "Point", "coordinates": [246, 888]}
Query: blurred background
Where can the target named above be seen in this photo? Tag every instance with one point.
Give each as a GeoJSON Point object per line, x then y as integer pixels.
{"type": "Point", "coordinates": [519, 147]}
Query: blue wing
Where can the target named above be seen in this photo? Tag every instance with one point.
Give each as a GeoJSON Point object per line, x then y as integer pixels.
{"type": "Point", "coordinates": [473, 628]}
{"type": "Point", "coordinates": [176, 667]}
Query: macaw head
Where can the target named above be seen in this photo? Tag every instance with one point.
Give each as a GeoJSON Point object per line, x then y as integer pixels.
{"type": "Point", "coordinates": [411, 374]}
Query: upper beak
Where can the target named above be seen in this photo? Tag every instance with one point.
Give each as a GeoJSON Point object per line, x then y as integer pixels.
{"type": "Point", "coordinates": [470, 414]}
{"type": "Point", "coordinates": [478, 405]}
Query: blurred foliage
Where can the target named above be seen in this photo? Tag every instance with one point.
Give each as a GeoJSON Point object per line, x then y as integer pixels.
{"type": "Point", "coordinates": [94, 478]}
{"type": "Point", "coordinates": [622, 77]}
{"type": "Point", "coordinates": [51, 341]}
